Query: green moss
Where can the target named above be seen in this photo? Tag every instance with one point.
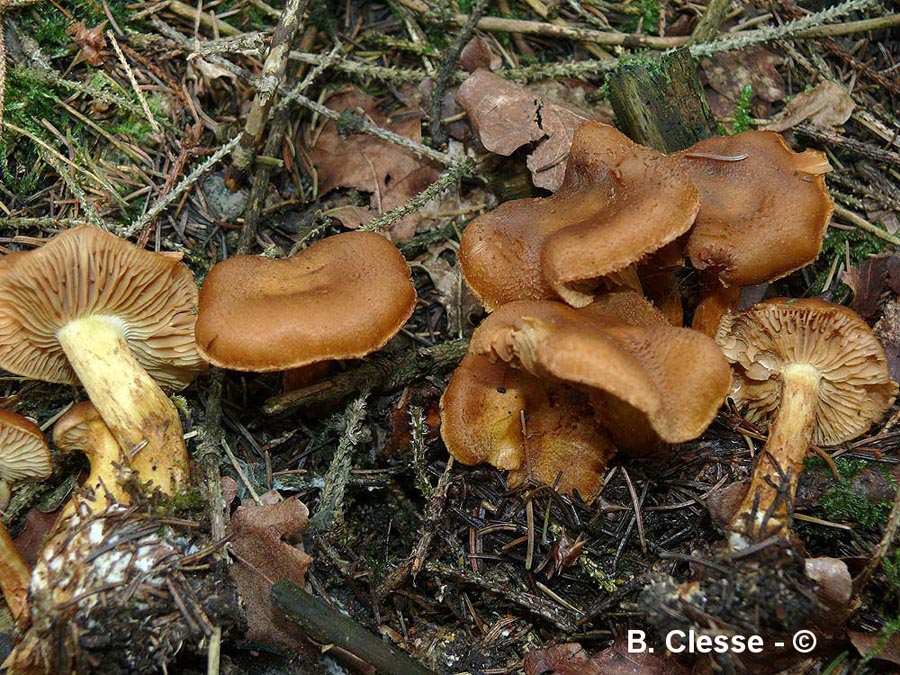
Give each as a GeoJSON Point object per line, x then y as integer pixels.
{"type": "Point", "coordinates": [742, 118]}
{"type": "Point", "coordinates": [184, 503]}
{"type": "Point", "coordinates": [836, 242]}
{"type": "Point", "coordinates": [648, 10]}
{"type": "Point", "coordinates": [843, 504]}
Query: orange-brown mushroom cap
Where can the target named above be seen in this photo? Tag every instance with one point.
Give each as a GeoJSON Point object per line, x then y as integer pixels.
{"type": "Point", "coordinates": [855, 389]}
{"type": "Point", "coordinates": [544, 432]}
{"type": "Point", "coordinates": [619, 201]}
{"type": "Point", "coordinates": [763, 207]}
{"type": "Point", "coordinates": [648, 380]}
{"type": "Point", "coordinates": [24, 453]}
{"type": "Point", "coordinates": [342, 298]}
{"type": "Point", "coordinates": [86, 272]}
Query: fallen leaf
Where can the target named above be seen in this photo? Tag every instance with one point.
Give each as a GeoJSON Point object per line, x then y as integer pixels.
{"type": "Point", "coordinates": [261, 539]}
{"type": "Point", "coordinates": [505, 116]}
{"type": "Point", "coordinates": [478, 54]}
{"type": "Point", "coordinates": [89, 40]}
{"type": "Point", "coordinates": [31, 540]}
{"type": "Point", "coordinates": [870, 279]}
{"type": "Point", "coordinates": [571, 659]}
{"type": "Point", "coordinates": [827, 105]}
{"type": "Point", "coordinates": [391, 174]}
{"type": "Point", "coordinates": [881, 647]}
{"type": "Point", "coordinates": [834, 591]}
{"type": "Point", "coordinates": [729, 72]}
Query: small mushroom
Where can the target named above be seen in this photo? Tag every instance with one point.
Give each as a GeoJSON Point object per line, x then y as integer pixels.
{"type": "Point", "coordinates": [24, 456]}
{"type": "Point", "coordinates": [89, 307]}
{"type": "Point", "coordinates": [543, 432]}
{"type": "Point", "coordinates": [342, 298]}
{"type": "Point", "coordinates": [649, 382]}
{"type": "Point", "coordinates": [82, 429]}
{"type": "Point", "coordinates": [818, 374]}
{"type": "Point", "coordinates": [619, 202]}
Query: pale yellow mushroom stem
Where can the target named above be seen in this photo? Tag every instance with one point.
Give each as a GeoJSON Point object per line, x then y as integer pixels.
{"type": "Point", "coordinates": [764, 509]}
{"type": "Point", "coordinates": [133, 406]}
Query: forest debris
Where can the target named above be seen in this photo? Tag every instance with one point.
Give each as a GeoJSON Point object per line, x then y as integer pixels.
{"type": "Point", "coordinates": [870, 279]}
{"type": "Point", "coordinates": [390, 173]}
{"type": "Point", "coordinates": [89, 40]}
{"type": "Point", "coordinates": [505, 116]}
{"type": "Point", "coordinates": [881, 647]}
{"type": "Point", "coordinates": [729, 72]}
{"type": "Point", "coordinates": [827, 105]}
{"type": "Point", "coordinates": [834, 591]}
{"type": "Point", "coordinates": [571, 659]}
{"type": "Point", "coordinates": [477, 54]}
{"type": "Point", "coordinates": [888, 331]}
{"type": "Point", "coordinates": [261, 540]}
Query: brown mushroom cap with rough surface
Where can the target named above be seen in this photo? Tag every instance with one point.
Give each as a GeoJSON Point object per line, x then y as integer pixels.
{"type": "Point", "coordinates": [619, 202]}
{"type": "Point", "coordinates": [763, 207]}
{"type": "Point", "coordinates": [89, 307]}
{"type": "Point", "coordinates": [544, 432]}
{"type": "Point", "coordinates": [649, 382]}
{"type": "Point", "coordinates": [342, 298]}
{"type": "Point", "coordinates": [24, 456]}
{"type": "Point", "coordinates": [818, 374]}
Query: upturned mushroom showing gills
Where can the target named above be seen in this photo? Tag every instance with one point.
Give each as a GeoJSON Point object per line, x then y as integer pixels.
{"type": "Point", "coordinates": [544, 432]}
{"type": "Point", "coordinates": [90, 308]}
{"type": "Point", "coordinates": [342, 298]}
{"type": "Point", "coordinates": [619, 202]}
{"type": "Point", "coordinates": [818, 374]}
{"type": "Point", "coordinates": [649, 382]}
{"type": "Point", "coordinates": [24, 456]}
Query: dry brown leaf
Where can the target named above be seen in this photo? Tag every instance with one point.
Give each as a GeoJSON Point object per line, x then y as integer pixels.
{"type": "Point", "coordinates": [477, 54]}
{"type": "Point", "coordinates": [870, 279]}
{"type": "Point", "coordinates": [572, 659]}
{"type": "Point", "coordinates": [883, 648]}
{"type": "Point", "coordinates": [390, 173]}
{"type": "Point", "coordinates": [89, 40]}
{"type": "Point", "coordinates": [834, 591]}
{"type": "Point", "coordinates": [824, 106]}
{"type": "Point", "coordinates": [260, 538]}
{"type": "Point", "coordinates": [505, 116]}
{"type": "Point", "coordinates": [729, 72]}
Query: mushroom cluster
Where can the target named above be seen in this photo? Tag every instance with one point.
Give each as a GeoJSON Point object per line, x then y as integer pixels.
{"type": "Point", "coordinates": [574, 362]}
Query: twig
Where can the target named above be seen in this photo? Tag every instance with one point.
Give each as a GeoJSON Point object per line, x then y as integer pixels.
{"type": "Point", "coordinates": [134, 84]}
{"type": "Point", "coordinates": [267, 86]}
{"type": "Point", "coordinates": [331, 500]}
{"type": "Point", "coordinates": [708, 26]}
{"type": "Point", "coordinates": [864, 224]}
{"type": "Point", "coordinates": [329, 626]}
{"type": "Point", "coordinates": [380, 372]}
{"type": "Point", "coordinates": [214, 653]}
{"type": "Point", "coordinates": [444, 182]}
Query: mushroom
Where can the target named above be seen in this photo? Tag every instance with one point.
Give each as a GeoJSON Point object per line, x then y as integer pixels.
{"type": "Point", "coordinates": [815, 371]}
{"type": "Point", "coordinates": [83, 429]}
{"type": "Point", "coordinates": [649, 382]}
{"type": "Point", "coordinates": [763, 213]}
{"type": "Point", "coordinates": [543, 432]}
{"type": "Point", "coordinates": [89, 307]}
{"type": "Point", "coordinates": [24, 456]}
{"type": "Point", "coordinates": [619, 202]}
{"type": "Point", "coordinates": [342, 298]}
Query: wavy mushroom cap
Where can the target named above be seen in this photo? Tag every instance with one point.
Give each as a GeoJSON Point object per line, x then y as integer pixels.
{"type": "Point", "coordinates": [855, 389]}
{"type": "Point", "coordinates": [86, 272]}
{"type": "Point", "coordinates": [73, 430]}
{"type": "Point", "coordinates": [544, 432]}
{"type": "Point", "coordinates": [763, 207]}
{"type": "Point", "coordinates": [342, 298]}
{"type": "Point", "coordinates": [24, 453]}
{"type": "Point", "coordinates": [648, 381]}
{"type": "Point", "coordinates": [619, 202]}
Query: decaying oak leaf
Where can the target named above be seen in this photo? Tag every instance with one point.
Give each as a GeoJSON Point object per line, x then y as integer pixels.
{"type": "Point", "coordinates": [870, 279]}
{"type": "Point", "coordinates": [505, 116]}
{"type": "Point", "coordinates": [826, 105]}
{"type": "Point", "coordinates": [261, 539]}
{"type": "Point", "coordinates": [729, 72]}
{"type": "Point", "coordinates": [391, 174]}
{"type": "Point", "coordinates": [478, 54]}
{"type": "Point", "coordinates": [571, 659]}
{"type": "Point", "coordinates": [881, 647]}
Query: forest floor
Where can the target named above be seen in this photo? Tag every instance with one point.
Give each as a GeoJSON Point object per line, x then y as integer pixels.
{"type": "Point", "coordinates": [127, 115]}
